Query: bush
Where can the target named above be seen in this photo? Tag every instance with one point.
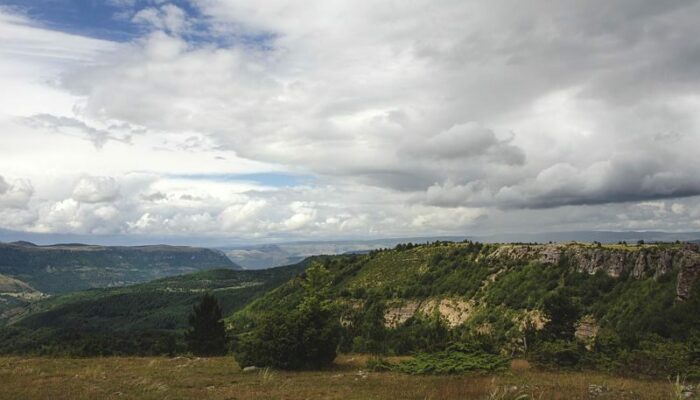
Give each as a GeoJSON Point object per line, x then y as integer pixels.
{"type": "Point", "coordinates": [378, 364]}
{"type": "Point", "coordinates": [656, 357]}
{"type": "Point", "coordinates": [456, 359]}
{"type": "Point", "coordinates": [558, 353]}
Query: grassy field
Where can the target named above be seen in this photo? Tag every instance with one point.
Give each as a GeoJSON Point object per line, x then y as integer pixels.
{"type": "Point", "coordinates": [221, 378]}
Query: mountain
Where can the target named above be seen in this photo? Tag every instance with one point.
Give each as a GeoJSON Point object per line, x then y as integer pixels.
{"type": "Point", "coordinates": [63, 268]}
{"type": "Point", "coordinates": [272, 255]}
{"type": "Point", "coordinates": [138, 319]}
{"type": "Point", "coordinates": [29, 272]}
{"type": "Point", "coordinates": [284, 253]}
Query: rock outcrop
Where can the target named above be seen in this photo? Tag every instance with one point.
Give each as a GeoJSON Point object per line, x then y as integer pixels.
{"type": "Point", "coordinates": [649, 261]}
{"type": "Point", "coordinates": [455, 311]}
{"type": "Point", "coordinates": [396, 314]}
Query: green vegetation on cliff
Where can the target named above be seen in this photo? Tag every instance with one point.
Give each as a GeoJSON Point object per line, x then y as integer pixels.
{"type": "Point", "coordinates": [418, 298]}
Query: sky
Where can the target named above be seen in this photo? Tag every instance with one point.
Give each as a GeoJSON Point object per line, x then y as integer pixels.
{"type": "Point", "coordinates": [328, 119]}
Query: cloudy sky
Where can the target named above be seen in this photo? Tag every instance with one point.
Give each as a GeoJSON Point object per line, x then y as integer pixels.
{"type": "Point", "coordinates": [328, 119]}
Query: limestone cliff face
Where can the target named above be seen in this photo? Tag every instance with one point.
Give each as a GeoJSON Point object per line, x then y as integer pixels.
{"type": "Point", "coordinates": [454, 310]}
{"type": "Point", "coordinates": [640, 261]}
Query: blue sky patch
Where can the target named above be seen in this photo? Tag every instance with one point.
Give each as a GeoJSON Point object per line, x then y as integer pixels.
{"type": "Point", "coordinates": [275, 179]}
{"type": "Point", "coordinates": [111, 20]}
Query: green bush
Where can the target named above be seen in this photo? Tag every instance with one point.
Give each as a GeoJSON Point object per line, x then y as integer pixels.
{"type": "Point", "coordinates": [558, 354]}
{"type": "Point", "coordinates": [455, 360]}
{"type": "Point", "coordinates": [656, 357]}
{"type": "Point", "coordinates": [378, 364]}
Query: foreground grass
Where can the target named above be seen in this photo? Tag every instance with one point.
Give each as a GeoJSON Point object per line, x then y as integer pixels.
{"type": "Point", "coordinates": [221, 378]}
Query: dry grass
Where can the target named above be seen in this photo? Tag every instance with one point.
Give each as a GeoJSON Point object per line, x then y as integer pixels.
{"type": "Point", "coordinates": [221, 378]}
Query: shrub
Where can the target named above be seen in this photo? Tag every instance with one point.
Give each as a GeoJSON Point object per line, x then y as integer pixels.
{"type": "Point", "coordinates": [655, 357]}
{"type": "Point", "coordinates": [558, 353]}
{"type": "Point", "coordinates": [456, 359]}
{"type": "Point", "coordinates": [378, 364]}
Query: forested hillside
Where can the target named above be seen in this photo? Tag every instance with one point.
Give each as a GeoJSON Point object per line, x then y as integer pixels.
{"type": "Point", "coordinates": [29, 272]}
{"type": "Point", "coordinates": [418, 298]}
{"type": "Point", "coordinates": [70, 267]}
{"type": "Point", "coordinates": [146, 318]}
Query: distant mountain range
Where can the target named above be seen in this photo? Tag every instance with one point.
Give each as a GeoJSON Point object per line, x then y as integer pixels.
{"type": "Point", "coordinates": [271, 255]}
{"type": "Point", "coordinates": [29, 272]}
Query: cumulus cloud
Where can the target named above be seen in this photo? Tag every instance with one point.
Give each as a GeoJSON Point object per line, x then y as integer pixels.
{"type": "Point", "coordinates": [15, 194]}
{"type": "Point", "coordinates": [410, 117]}
{"type": "Point", "coordinates": [96, 190]}
{"type": "Point", "coordinates": [437, 96]}
{"type": "Point", "coordinates": [466, 141]}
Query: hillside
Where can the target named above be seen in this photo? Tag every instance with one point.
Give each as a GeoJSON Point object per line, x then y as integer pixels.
{"type": "Point", "coordinates": [497, 291]}
{"type": "Point", "coordinates": [389, 299]}
{"type": "Point", "coordinates": [15, 295]}
{"type": "Point", "coordinates": [119, 320]}
{"type": "Point", "coordinates": [69, 267]}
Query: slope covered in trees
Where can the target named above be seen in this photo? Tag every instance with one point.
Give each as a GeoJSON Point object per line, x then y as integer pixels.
{"type": "Point", "coordinates": [618, 299]}
{"type": "Point", "coordinates": [148, 318]}
{"type": "Point", "coordinates": [69, 267]}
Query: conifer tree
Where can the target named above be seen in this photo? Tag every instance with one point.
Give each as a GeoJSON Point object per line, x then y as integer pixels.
{"type": "Point", "coordinates": [207, 334]}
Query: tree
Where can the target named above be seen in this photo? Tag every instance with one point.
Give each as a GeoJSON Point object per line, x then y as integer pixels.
{"type": "Point", "coordinates": [562, 314]}
{"type": "Point", "coordinates": [371, 330]}
{"type": "Point", "coordinates": [207, 334]}
{"type": "Point", "coordinates": [305, 338]}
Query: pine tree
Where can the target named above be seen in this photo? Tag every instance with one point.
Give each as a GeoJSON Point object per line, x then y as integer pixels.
{"type": "Point", "coordinates": [207, 334]}
{"type": "Point", "coordinates": [306, 337]}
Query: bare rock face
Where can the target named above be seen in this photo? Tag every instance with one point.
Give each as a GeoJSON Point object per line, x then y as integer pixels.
{"type": "Point", "coordinates": [454, 310]}
{"type": "Point", "coordinates": [587, 330]}
{"type": "Point", "coordinates": [396, 314]}
{"type": "Point", "coordinates": [640, 262]}
{"type": "Point", "coordinates": [550, 255]}
{"type": "Point", "coordinates": [688, 274]}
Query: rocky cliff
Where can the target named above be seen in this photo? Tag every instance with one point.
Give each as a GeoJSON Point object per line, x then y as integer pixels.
{"type": "Point", "coordinates": [640, 261]}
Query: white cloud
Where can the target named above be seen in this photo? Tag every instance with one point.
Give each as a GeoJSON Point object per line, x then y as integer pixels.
{"type": "Point", "coordinates": [15, 194]}
{"type": "Point", "coordinates": [96, 190]}
{"type": "Point", "coordinates": [169, 18]}
{"type": "Point", "coordinates": [411, 118]}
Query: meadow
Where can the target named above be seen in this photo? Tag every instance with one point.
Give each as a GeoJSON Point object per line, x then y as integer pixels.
{"type": "Point", "coordinates": [220, 378]}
